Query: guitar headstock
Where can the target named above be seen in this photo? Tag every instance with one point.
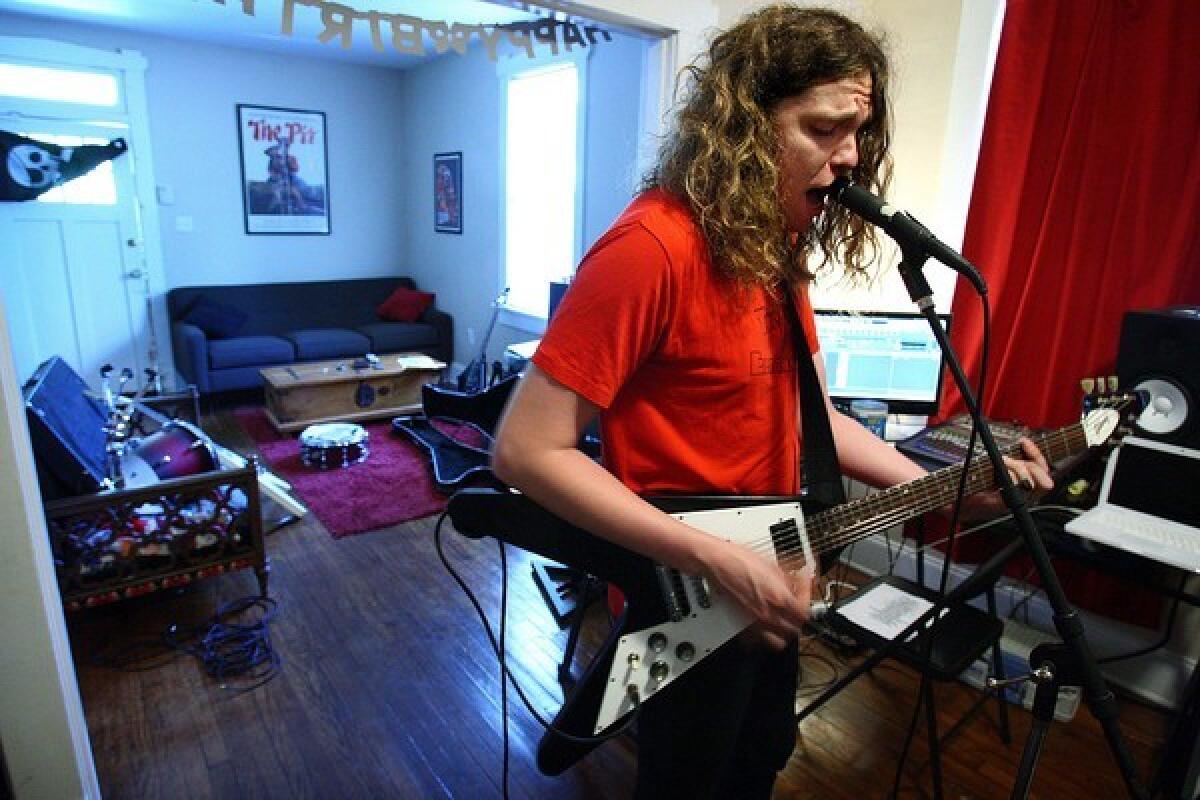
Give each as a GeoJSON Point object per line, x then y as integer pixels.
{"type": "Point", "coordinates": [1107, 412]}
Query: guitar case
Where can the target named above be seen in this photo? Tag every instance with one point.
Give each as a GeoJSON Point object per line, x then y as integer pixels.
{"type": "Point", "coordinates": [454, 461]}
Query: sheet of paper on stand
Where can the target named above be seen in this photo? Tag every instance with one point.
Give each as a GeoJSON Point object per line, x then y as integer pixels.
{"type": "Point", "coordinates": [418, 361]}
{"type": "Point", "coordinates": [885, 610]}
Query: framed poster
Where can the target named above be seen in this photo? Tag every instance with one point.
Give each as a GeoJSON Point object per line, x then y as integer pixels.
{"type": "Point", "coordinates": [285, 177]}
{"type": "Point", "coordinates": [447, 192]}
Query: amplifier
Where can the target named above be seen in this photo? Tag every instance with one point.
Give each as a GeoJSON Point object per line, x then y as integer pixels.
{"type": "Point", "coordinates": [66, 429]}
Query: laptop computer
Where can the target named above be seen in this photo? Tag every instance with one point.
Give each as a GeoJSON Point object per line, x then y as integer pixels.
{"type": "Point", "coordinates": [1149, 504]}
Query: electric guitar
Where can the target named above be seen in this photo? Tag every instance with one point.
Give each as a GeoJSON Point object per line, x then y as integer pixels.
{"type": "Point", "coordinates": [673, 621]}
{"type": "Point", "coordinates": [474, 377]}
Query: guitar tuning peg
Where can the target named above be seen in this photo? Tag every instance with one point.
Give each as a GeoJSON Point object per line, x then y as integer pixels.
{"type": "Point", "coordinates": [1113, 383]}
{"type": "Point", "coordinates": [1100, 383]}
{"type": "Point", "coordinates": [1088, 385]}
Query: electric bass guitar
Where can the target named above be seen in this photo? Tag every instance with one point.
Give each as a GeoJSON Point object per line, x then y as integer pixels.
{"type": "Point", "coordinates": [674, 621]}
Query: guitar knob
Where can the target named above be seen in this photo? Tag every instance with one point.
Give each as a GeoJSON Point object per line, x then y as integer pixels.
{"type": "Point", "coordinates": [659, 670]}
{"type": "Point", "coordinates": [685, 651]}
{"type": "Point", "coordinates": [658, 642]}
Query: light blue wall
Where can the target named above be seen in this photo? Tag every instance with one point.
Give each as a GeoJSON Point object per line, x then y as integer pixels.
{"type": "Point", "coordinates": [383, 128]}
{"type": "Point", "coordinates": [453, 104]}
{"type": "Point", "coordinates": [192, 90]}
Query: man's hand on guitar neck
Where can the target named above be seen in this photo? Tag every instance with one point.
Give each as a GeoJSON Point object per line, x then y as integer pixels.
{"type": "Point", "coordinates": [1031, 474]}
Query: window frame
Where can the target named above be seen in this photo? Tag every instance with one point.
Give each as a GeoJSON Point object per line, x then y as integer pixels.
{"type": "Point", "coordinates": [507, 70]}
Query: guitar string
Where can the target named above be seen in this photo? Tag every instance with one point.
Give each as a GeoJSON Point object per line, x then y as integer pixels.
{"type": "Point", "coordinates": [846, 523]}
{"type": "Point", "coordinates": [842, 525]}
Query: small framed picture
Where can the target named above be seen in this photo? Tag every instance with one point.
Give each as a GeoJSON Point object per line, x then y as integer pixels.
{"type": "Point", "coordinates": [285, 174]}
{"type": "Point", "coordinates": [447, 192]}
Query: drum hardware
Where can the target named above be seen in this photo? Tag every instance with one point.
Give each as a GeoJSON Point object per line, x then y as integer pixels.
{"type": "Point", "coordinates": [334, 444]}
{"type": "Point", "coordinates": [118, 430]}
{"type": "Point", "coordinates": [176, 450]}
{"type": "Point", "coordinates": [184, 450]}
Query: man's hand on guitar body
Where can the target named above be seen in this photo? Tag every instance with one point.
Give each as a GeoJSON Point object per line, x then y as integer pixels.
{"type": "Point", "coordinates": [777, 599]}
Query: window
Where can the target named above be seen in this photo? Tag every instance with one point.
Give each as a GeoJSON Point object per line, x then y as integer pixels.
{"type": "Point", "coordinates": [543, 144]}
{"type": "Point", "coordinates": [97, 187]}
{"type": "Point", "coordinates": [58, 85]}
{"type": "Point", "coordinates": [57, 92]}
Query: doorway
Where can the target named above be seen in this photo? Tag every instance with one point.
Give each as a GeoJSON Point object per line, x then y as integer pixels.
{"type": "Point", "coordinates": [81, 272]}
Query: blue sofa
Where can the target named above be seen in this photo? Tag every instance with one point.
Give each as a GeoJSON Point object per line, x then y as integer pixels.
{"type": "Point", "coordinates": [284, 323]}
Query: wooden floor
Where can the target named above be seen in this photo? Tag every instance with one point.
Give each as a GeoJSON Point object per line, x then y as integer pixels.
{"type": "Point", "coordinates": [389, 689]}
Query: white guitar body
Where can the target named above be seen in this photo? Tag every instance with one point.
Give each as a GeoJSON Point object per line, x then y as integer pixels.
{"type": "Point", "coordinates": [649, 660]}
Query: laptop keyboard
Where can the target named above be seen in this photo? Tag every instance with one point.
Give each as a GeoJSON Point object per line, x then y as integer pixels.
{"type": "Point", "coordinates": [1147, 529]}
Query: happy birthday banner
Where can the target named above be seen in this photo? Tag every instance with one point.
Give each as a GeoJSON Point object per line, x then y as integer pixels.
{"type": "Point", "coordinates": [407, 34]}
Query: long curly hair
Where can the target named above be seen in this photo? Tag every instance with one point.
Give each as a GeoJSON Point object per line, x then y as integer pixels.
{"type": "Point", "coordinates": [723, 157]}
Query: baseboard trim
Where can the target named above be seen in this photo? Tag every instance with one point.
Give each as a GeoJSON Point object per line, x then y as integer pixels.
{"type": "Point", "coordinates": [1158, 677]}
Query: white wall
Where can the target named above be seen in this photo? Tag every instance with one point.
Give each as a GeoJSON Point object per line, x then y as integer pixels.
{"type": "Point", "coordinates": [192, 91]}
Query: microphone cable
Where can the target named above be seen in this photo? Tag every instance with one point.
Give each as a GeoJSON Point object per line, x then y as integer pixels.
{"type": "Point", "coordinates": [931, 631]}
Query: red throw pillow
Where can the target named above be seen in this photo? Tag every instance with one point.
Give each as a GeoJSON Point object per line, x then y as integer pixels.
{"type": "Point", "coordinates": [405, 305]}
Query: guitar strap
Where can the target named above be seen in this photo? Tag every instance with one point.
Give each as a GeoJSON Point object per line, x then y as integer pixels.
{"type": "Point", "coordinates": [822, 476]}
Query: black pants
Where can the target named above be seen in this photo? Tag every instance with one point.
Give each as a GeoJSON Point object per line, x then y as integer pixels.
{"type": "Point", "coordinates": [723, 731]}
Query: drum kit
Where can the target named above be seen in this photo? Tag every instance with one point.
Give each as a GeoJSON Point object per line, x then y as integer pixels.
{"type": "Point", "coordinates": [176, 449]}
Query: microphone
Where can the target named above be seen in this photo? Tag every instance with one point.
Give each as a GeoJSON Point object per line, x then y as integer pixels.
{"type": "Point", "coordinates": [904, 228]}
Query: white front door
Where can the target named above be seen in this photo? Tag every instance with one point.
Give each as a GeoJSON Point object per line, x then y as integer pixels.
{"type": "Point", "coordinates": [74, 279]}
{"type": "Point", "coordinates": [81, 266]}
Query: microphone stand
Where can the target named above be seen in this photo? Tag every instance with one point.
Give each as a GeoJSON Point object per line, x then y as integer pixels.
{"type": "Point", "coordinates": [1080, 661]}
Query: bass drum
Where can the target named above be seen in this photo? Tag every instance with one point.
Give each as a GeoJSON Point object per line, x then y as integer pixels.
{"type": "Point", "coordinates": [176, 450]}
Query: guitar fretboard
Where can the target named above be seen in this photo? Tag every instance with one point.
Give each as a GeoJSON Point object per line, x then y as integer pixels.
{"type": "Point", "coordinates": [847, 523]}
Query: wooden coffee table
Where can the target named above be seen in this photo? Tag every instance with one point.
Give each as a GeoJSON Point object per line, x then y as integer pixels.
{"type": "Point", "coordinates": [299, 395]}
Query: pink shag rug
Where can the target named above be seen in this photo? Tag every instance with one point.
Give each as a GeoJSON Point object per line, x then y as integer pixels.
{"type": "Point", "coordinates": [394, 484]}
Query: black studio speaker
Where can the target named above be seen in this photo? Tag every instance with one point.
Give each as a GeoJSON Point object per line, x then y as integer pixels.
{"type": "Point", "coordinates": [1160, 353]}
{"type": "Point", "coordinates": [66, 429]}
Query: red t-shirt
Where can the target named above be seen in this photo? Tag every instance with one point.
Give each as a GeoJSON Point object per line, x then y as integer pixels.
{"type": "Point", "coordinates": [694, 374]}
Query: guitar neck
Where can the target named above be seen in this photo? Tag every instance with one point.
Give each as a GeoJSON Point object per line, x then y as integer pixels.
{"type": "Point", "coordinates": [847, 523]}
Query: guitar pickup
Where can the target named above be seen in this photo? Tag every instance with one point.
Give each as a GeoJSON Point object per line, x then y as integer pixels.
{"type": "Point", "coordinates": [674, 594]}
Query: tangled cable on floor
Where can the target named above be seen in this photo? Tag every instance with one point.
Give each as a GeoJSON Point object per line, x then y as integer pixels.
{"type": "Point", "coordinates": [230, 651]}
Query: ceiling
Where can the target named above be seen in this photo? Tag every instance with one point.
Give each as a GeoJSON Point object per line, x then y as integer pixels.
{"type": "Point", "coordinates": [260, 23]}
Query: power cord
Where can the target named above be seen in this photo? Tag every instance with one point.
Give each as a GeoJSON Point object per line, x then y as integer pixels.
{"type": "Point", "coordinates": [506, 675]}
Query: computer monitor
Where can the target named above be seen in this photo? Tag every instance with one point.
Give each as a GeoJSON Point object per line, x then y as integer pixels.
{"type": "Point", "coordinates": [557, 290]}
{"type": "Point", "coordinates": [882, 355]}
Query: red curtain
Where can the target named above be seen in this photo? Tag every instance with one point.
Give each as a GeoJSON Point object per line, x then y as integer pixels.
{"type": "Point", "coordinates": [1086, 194]}
{"type": "Point", "coordinates": [1085, 201]}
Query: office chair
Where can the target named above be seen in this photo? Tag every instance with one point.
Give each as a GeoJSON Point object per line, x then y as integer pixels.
{"type": "Point", "coordinates": [960, 636]}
